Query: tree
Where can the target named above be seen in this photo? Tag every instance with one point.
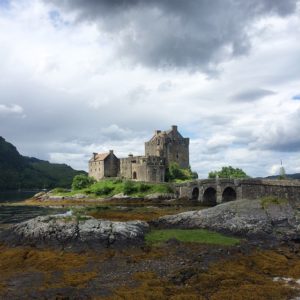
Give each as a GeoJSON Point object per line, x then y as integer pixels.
{"type": "Point", "coordinates": [174, 172]}
{"type": "Point", "coordinates": [228, 172]}
{"type": "Point", "coordinates": [282, 174]}
{"type": "Point", "coordinates": [82, 181]}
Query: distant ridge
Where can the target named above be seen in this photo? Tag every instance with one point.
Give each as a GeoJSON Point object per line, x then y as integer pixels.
{"type": "Point", "coordinates": [21, 172]}
{"type": "Point", "coordinates": [289, 176]}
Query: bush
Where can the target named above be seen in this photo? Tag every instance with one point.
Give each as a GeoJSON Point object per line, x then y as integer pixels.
{"type": "Point", "coordinates": [174, 172]}
{"type": "Point", "coordinates": [228, 172]}
{"type": "Point", "coordinates": [81, 182]}
{"type": "Point", "coordinates": [129, 188]}
{"type": "Point", "coordinates": [144, 187]}
{"type": "Point", "coordinates": [104, 190]}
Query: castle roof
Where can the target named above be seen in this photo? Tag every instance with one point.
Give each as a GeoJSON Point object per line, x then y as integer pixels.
{"type": "Point", "coordinates": [100, 156]}
{"type": "Point", "coordinates": [172, 133]}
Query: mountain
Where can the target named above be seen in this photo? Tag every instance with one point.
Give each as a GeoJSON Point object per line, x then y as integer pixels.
{"type": "Point", "coordinates": [17, 171]}
{"type": "Point", "coordinates": [288, 176]}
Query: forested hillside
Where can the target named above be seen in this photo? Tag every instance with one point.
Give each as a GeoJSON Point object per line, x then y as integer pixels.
{"type": "Point", "coordinates": [21, 172]}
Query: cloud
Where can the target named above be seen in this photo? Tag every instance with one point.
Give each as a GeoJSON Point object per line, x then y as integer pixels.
{"type": "Point", "coordinates": [252, 95]}
{"type": "Point", "coordinates": [11, 109]}
{"type": "Point", "coordinates": [197, 35]}
{"type": "Point", "coordinates": [66, 66]}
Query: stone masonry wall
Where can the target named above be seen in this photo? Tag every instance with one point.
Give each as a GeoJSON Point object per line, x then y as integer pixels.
{"type": "Point", "coordinates": [111, 166]}
{"type": "Point", "coordinates": [96, 169]}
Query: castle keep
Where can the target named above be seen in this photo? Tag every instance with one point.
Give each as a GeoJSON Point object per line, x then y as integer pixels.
{"type": "Point", "coordinates": [163, 148]}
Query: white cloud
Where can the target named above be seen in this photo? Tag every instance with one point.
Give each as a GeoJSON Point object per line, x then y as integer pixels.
{"type": "Point", "coordinates": [80, 98]}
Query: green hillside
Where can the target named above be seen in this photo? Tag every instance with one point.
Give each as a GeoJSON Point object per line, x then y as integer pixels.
{"type": "Point", "coordinates": [17, 171]}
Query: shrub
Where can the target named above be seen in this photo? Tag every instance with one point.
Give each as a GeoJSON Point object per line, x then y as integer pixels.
{"type": "Point", "coordinates": [104, 190]}
{"type": "Point", "coordinates": [144, 187]}
{"type": "Point", "coordinates": [174, 172]}
{"type": "Point", "coordinates": [82, 182]}
{"type": "Point", "coordinates": [129, 187]}
{"type": "Point", "coordinates": [228, 172]}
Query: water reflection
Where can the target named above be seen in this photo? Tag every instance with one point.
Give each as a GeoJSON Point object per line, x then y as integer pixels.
{"type": "Point", "coordinates": [14, 214]}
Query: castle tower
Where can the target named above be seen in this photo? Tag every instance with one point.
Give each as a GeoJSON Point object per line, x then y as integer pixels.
{"type": "Point", "coordinates": [169, 145]}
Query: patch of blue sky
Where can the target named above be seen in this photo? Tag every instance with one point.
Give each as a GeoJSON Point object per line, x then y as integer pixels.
{"type": "Point", "coordinates": [56, 19]}
{"type": "Point", "coordinates": [4, 4]}
{"type": "Point", "coordinates": [296, 97]}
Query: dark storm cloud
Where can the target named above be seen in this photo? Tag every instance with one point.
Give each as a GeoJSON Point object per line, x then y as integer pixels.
{"type": "Point", "coordinates": [176, 33]}
{"type": "Point", "coordinates": [252, 95]}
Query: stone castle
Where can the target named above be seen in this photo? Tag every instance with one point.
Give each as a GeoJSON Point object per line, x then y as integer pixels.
{"type": "Point", "coordinates": [163, 148]}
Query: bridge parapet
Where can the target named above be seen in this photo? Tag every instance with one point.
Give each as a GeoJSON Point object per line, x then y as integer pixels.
{"type": "Point", "coordinates": [220, 190]}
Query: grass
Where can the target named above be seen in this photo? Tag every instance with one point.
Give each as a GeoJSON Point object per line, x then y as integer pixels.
{"type": "Point", "coordinates": [190, 236]}
{"type": "Point", "coordinates": [271, 200]}
{"type": "Point", "coordinates": [110, 187]}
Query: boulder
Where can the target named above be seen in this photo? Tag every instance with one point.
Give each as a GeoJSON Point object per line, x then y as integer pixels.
{"type": "Point", "coordinates": [79, 196]}
{"type": "Point", "coordinates": [160, 196]}
{"type": "Point", "coordinates": [246, 218]}
{"type": "Point", "coordinates": [59, 231]}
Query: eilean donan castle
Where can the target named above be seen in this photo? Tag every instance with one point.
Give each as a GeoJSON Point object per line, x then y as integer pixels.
{"type": "Point", "coordinates": [163, 148]}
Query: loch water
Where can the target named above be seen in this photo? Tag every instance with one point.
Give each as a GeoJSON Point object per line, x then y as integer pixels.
{"type": "Point", "coordinates": [10, 214]}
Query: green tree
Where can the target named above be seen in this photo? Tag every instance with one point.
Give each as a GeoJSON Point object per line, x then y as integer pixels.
{"type": "Point", "coordinates": [82, 181]}
{"type": "Point", "coordinates": [174, 172]}
{"type": "Point", "coordinates": [228, 172]}
{"type": "Point", "coordinates": [282, 174]}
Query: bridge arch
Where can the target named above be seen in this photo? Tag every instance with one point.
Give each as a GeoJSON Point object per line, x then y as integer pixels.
{"type": "Point", "coordinates": [229, 194]}
{"type": "Point", "coordinates": [195, 193]}
{"type": "Point", "coordinates": [209, 197]}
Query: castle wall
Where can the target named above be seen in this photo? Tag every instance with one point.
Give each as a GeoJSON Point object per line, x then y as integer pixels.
{"type": "Point", "coordinates": [111, 166]}
{"type": "Point", "coordinates": [96, 169]}
{"type": "Point", "coordinates": [142, 168]}
{"type": "Point", "coordinates": [170, 145]}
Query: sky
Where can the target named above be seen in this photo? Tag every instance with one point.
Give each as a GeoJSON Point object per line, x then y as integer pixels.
{"type": "Point", "coordinates": [83, 76]}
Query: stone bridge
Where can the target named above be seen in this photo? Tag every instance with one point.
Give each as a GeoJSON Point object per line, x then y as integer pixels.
{"type": "Point", "coordinates": [211, 192]}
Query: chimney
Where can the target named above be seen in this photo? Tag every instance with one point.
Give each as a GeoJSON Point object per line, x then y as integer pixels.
{"type": "Point", "coordinates": [174, 127]}
{"type": "Point", "coordinates": [111, 151]}
{"type": "Point", "coordinates": [156, 132]}
{"type": "Point", "coordinates": [94, 155]}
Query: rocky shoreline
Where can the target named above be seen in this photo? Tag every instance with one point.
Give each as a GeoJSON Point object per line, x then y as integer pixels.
{"type": "Point", "coordinates": [109, 259]}
{"type": "Point", "coordinates": [269, 219]}
{"type": "Point", "coordinates": [63, 231]}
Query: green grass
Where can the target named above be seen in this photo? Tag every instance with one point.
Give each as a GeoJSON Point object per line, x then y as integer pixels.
{"type": "Point", "coordinates": [110, 187]}
{"type": "Point", "coordinates": [189, 236]}
{"type": "Point", "coordinates": [271, 200]}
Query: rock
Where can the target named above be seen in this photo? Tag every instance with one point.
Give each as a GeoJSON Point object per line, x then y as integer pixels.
{"type": "Point", "coordinates": [120, 196]}
{"type": "Point", "coordinates": [79, 196]}
{"type": "Point", "coordinates": [160, 196]}
{"type": "Point", "coordinates": [39, 195]}
{"type": "Point", "coordinates": [68, 232]}
{"type": "Point", "coordinates": [243, 218]}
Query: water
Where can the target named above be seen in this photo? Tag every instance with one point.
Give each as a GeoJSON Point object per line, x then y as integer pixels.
{"type": "Point", "coordinates": [13, 214]}
{"type": "Point", "coordinates": [15, 196]}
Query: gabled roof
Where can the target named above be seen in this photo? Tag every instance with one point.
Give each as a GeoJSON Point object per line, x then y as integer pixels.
{"type": "Point", "coordinates": [169, 133]}
{"type": "Point", "coordinates": [99, 156]}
